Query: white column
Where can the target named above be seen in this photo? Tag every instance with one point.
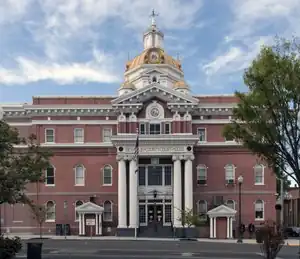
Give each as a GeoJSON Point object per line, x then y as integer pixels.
{"type": "Point", "coordinates": [80, 223]}
{"type": "Point", "coordinates": [83, 224]}
{"type": "Point", "coordinates": [228, 227]}
{"type": "Point", "coordinates": [177, 196]}
{"type": "Point", "coordinates": [215, 227]}
{"type": "Point", "coordinates": [188, 183]}
{"type": "Point", "coordinates": [122, 199]}
{"type": "Point", "coordinates": [97, 224]}
{"type": "Point", "coordinates": [211, 228]}
{"type": "Point", "coordinates": [132, 194]}
{"type": "Point", "coordinates": [100, 224]}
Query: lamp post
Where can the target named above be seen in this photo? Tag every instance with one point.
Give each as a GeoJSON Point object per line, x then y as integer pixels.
{"type": "Point", "coordinates": [65, 212]}
{"type": "Point", "coordinates": [240, 182]}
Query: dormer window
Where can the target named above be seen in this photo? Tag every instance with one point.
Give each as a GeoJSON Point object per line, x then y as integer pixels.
{"type": "Point", "coordinates": [154, 79]}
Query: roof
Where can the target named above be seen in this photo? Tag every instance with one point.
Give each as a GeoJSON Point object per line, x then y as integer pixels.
{"type": "Point", "coordinates": [143, 58]}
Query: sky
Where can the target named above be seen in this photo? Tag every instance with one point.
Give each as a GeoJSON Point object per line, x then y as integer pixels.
{"type": "Point", "coordinates": [80, 47]}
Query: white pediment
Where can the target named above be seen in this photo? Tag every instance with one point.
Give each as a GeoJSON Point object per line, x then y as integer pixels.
{"type": "Point", "coordinates": [153, 71]}
{"type": "Point", "coordinates": [89, 207]}
{"type": "Point", "coordinates": [221, 211]}
{"type": "Point", "coordinates": [164, 93]}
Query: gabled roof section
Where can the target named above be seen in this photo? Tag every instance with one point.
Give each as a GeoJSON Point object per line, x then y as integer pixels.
{"type": "Point", "coordinates": [155, 90]}
{"type": "Point", "coordinates": [221, 211]}
{"type": "Point", "coordinates": [152, 70]}
{"type": "Point", "coordinates": [89, 207]}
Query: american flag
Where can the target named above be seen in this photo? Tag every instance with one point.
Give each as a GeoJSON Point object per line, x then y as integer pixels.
{"type": "Point", "coordinates": [136, 150]}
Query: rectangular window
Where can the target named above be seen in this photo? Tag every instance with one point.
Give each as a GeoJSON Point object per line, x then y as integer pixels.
{"type": "Point", "coordinates": [168, 175]}
{"type": "Point", "coordinates": [154, 129]}
{"type": "Point", "coordinates": [202, 134]}
{"type": "Point", "coordinates": [168, 128]}
{"type": "Point", "coordinates": [49, 177]}
{"type": "Point", "coordinates": [107, 175]}
{"type": "Point", "coordinates": [168, 213]}
{"type": "Point", "coordinates": [155, 175]}
{"type": "Point", "coordinates": [142, 129]}
{"type": "Point", "coordinates": [201, 175]}
{"type": "Point", "coordinates": [142, 213]}
{"type": "Point", "coordinates": [259, 174]}
{"type": "Point", "coordinates": [107, 133]}
{"type": "Point", "coordinates": [79, 175]}
{"type": "Point", "coordinates": [49, 136]}
{"type": "Point", "coordinates": [259, 210]}
{"type": "Point", "coordinates": [78, 135]}
{"type": "Point", "coordinates": [142, 176]}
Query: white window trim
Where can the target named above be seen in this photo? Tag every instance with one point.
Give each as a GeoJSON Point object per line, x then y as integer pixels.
{"type": "Point", "coordinates": [205, 130]}
{"type": "Point", "coordinates": [103, 137]}
{"type": "Point", "coordinates": [198, 207]}
{"type": "Point", "coordinates": [51, 220]}
{"type": "Point", "coordinates": [76, 220]}
{"type": "Point", "coordinates": [53, 135]}
{"type": "Point", "coordinates": [145, 128]}
{"type": "Point", "coordinates": [80, 165]}
{"type": "Point", "coordinates": [75, 135]}
{"type": "Point", "coordinates": [197, 168]}
{"type": "Point", "coordinates": [54, 171]}
{"type": "Point", "coordinates": [234, 206]}
{"type": "Point", "coordinates": [263, 175]}
{"type": "Point", "coordinates": [111, 175]}
{"type": "Point", "coordinates": [111, 205]}
{"type": "Point", "coordinates": [234, 167]}
{"type": "Point", "coordinates": [263, 203]}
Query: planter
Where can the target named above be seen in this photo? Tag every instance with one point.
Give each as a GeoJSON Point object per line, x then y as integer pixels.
{"type": "Point", "coordinates": [34, 250]}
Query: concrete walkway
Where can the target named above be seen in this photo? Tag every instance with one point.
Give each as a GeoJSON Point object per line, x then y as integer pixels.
{"type": "Point", "coordinates": [288, 242]}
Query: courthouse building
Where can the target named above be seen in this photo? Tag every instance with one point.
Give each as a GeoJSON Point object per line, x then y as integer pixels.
{"type": "Point", "coordinates": [184, 161]}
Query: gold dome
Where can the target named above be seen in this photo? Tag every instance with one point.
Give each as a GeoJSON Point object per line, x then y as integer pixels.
{"type": "Point", "coordinates": [144, 58]}
{"type": "Point", "coordinates": [181, 84]}
{"type": "Point", "coordinates": [128, 85]}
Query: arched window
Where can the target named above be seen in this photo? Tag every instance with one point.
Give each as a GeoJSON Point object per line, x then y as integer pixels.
{"type": "Point", "coordinates": [107, 214]}
{"type": "Point", "coordinates": [50, 211]}
{"type": "Point", "coordinates": [77, 204]}
{"type": "Point", "coordinates": [230, 173]}
{"type": "Point", "coordinates": [231, 204]}
{"type": "Point", "coordinates": [201, 174]}
{"type": "Point", "coordinates": [259, 174]}
{"type": "Point", "coordinates": [50, 176]}
{"type": "Point", "coordinates": [202, 209]}
{"type": "Point", "coordinates": [79, 175]}
{"type": "Point", "coordinates": [107, 175]}
{"type": "Point", "coordinates": [259, 210]}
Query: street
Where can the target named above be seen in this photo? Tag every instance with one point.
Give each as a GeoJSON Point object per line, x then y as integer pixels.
{"type": "Point", "coordinates": [66, 249]}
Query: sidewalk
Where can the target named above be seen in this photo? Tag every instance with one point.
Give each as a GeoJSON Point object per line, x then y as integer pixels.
{"type": "Point", "coordinates": [288, 242]}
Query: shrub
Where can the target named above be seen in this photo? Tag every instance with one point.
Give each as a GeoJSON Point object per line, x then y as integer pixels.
{"type": "Point", "coordinates": [9, 247]}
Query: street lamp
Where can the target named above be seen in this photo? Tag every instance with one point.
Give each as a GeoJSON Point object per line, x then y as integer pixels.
{"type": "Point", "coordinates": [240, 182]}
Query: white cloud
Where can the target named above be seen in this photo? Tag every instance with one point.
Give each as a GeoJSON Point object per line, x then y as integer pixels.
{"type": "Point", "coordinates": [29, 71]}
{"type": "Point", "coordinates": [12, 10]}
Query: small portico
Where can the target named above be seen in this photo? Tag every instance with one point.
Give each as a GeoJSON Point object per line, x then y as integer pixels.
{"type": "Point", "coordinates": [220, 222]}
{"type": "Point", "coordinates": [90, 215]}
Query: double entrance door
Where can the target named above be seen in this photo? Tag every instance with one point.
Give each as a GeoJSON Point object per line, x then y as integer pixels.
{"type": "Point", "coordinates": [155, 214]}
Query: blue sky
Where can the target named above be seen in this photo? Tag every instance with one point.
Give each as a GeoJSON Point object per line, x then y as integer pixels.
{"type": "Point", "coordinates": [79, 47]}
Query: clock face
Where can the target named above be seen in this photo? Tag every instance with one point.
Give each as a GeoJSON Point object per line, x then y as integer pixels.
{"type": "Point", "coordinates": [153, 56]}
{"type": "Point", "coordinates": [154, 112]}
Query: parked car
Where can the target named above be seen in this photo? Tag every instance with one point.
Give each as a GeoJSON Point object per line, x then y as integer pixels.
{"type": "Point", "coordinates": [292, 231]}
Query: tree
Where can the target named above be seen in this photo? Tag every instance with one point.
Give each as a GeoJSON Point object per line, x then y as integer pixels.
{"type": "Point", "coordinates": [189, 218]}
{"type": "Point", "coordinates": [22, 161]}
{"type": "Point", "coordinates": [267, 118]}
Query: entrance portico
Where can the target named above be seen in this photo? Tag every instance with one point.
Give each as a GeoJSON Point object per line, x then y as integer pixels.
{"type": "Point", "coordinates": [144, 209]}
{"type": "Point", "coordinates": [218, 217]}
{"type": "Point", "coordinates": [90, 216]}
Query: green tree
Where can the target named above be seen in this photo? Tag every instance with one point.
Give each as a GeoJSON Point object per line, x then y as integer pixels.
{"type": "Point", "coordinates": [22, 161]}
{"type": "Point", "coordinates": [267, 118]}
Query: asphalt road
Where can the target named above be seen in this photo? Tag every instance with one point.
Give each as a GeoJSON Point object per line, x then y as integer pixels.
{"type": "Point", "coordinates": [112, 249]}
